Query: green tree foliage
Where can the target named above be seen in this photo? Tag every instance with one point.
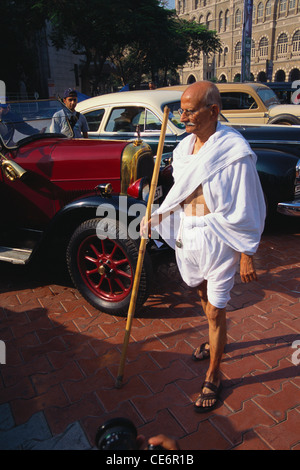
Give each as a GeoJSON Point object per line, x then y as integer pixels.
{"type": "Point", "coordinates": [136, 36]}
{"type": "Point", "coordinates": [162, 43]}
{"type": "Point", "coordinates": [20, 26]}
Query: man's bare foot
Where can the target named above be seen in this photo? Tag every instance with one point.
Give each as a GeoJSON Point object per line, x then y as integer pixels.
{"type": "Point", "coordinates": [208, 397]}
{"type": "Point", "coordinates": [201, 353]}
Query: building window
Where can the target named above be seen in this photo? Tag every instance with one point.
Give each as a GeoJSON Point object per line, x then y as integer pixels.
{"type": "Point", "coordinates": [208, 20]}
{"type": "Point", "coordinates": [238, 18]}
{"type": "Point", "coordinates": [253, 12]}
{"type": "Point", "coordinates": [263, 47]}
{"type": "Point", "coordinates": [201, 19]}
{"type": "Point", "coordinates": [292, 4]}
{"type": "Point", "coordinates": [225, 55]}
{"type": "Point", "coordinates": [268, 8]}
{"type": "Point", "coordinates": [252, 48]}
{"type": "Point", "coordinates": [282, 7]}
{"type": "Point", "coordinates": [260, 12]}
{"type": "Point", "coordinates": [282, 44]}
{"type": "Point", "coordinates": [296, 42]}
{"type": "Point", "coordinates": [220, 21]}
{"type": "Point", "coordinates": [238, 52]}
{"type": "Point", "coordinates": [226, 20]}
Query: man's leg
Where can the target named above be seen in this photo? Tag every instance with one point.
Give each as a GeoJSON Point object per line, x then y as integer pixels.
{"type": "Point", "coordinates": [200, 353]}
{"type": "Point", "coordinates": [217, 340]}
{"type": "Point", "coordinates": [202, 292]}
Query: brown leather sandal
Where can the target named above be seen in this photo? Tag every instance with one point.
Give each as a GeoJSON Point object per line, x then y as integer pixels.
{"type": "Point", "coordinates": [214, 395]}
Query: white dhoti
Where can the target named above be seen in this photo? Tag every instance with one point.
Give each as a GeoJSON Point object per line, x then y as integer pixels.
{"type": "Point", "coordinates": [211, 244]}
{"type": "Point", "coordinates": [201, 255]}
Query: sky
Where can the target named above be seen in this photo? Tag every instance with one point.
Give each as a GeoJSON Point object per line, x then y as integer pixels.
{"type": "Point", "coordinates": [171, 4]}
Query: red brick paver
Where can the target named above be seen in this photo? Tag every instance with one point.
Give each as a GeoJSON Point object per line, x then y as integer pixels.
{"type": "Point", "coordinates": [63, 356]}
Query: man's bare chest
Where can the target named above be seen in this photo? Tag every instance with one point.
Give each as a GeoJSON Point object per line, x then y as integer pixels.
{"type": "Point", "coordinates": [194, 204]}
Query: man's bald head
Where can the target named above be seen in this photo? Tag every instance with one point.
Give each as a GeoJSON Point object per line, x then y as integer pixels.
{"type": "Point", "coordinates": [204, 92]}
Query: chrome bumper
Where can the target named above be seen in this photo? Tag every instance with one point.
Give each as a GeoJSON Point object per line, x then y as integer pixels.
{"type": "Point", "coordinates": [291, 208]}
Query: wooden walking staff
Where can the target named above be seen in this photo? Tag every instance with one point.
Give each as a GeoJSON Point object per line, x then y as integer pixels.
{"type": "Point", "coordinates": [142, 249]}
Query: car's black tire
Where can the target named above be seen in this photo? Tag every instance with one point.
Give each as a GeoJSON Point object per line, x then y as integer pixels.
{"type": "Point", "coordinates": [103, 268]}
{"type": "Point", "coordinates": [285, 120]}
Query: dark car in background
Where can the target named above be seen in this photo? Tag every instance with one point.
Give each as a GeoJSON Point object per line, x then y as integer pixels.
{"type": "Point", "coordinates": [119, 116]}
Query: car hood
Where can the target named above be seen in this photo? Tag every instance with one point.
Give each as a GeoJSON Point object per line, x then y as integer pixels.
{"type": "Point", "coordinates": [293, 109]}
{"type": "Point", "coordinates": [86, 159]}
{"type": "Point", "coordinates": [74, 162]}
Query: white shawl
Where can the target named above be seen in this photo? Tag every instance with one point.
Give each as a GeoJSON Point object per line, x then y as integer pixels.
{"type": "Point", "coordinates": [225, 167]}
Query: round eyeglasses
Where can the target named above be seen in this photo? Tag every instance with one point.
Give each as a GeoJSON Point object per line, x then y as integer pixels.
{"type": "Point", "coordinates": [190, 112]}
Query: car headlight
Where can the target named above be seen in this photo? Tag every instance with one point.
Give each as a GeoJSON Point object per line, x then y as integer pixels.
{"type": "Point", "coordinates": [139, 189]}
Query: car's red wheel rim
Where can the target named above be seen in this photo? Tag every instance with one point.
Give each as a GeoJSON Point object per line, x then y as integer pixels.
{"type": "Point", "coordinates": [105, 268]}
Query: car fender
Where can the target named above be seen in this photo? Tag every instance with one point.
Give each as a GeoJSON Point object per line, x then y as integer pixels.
{"type": "Point", "coordinates": [284, 118]}
{"type": "Point", "coordinates": [73, 214]}
{"type": "Point", "coordinates": [275, 110]}
{"type": "Point", "coordinates": [276, 171]}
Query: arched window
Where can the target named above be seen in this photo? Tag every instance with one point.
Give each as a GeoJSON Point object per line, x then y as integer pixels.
{"type": "Point", "coordinates": [282, 7]}
{"type": "Point", "coordinates": [294, 75]}
{"type": "Point", "coordinates": [260, 11]}
{"type": "Point", "coordinates": [282, 44]}
{"type": "Point", "coordinates": [296, 42]}
{"type": "Point", "coordinates": [225, 55]}
{"type": "Point", "coordinates": [280, 76]}
{"type": "Point", "coordinates": [292, 4]}
{"type": "Point", "coordinates": [238, 18]}
{"type": "Point", "coordinates": [220, 21]}
{"type": "Point", "coordinates": [238, 52]}
{"type": "Point", "coordinates": [201, 19]}
{"type": "Point", "coordinates": [208, 20]}
{"type": "Point", "coordinates": [268, 8]}
{"type": "Point", "coordinates": [226, 20]}
{"type": "Point", "coordinates": [263, 47]}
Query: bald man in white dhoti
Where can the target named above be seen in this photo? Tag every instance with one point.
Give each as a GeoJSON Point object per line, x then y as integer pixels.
{"type": "Point", "coordinates": [213, 217]}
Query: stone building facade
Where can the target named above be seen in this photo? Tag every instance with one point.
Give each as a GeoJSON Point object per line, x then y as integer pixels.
{"type": "Point", "coordinates": [275, 52]}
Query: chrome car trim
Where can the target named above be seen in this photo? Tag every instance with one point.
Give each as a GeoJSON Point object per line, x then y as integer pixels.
{"type": "Point", "coordinates": [272, 142]}
{"type": "Point", "coordinates": [297, 180]}
{"type": "Point", "coordinates": [291, 208]}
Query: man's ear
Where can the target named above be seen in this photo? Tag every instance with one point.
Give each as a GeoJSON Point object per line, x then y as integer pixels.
{"type": "Point", "coordinates": [214, 109]}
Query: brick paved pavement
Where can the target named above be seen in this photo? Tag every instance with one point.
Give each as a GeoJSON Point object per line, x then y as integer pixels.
{"type": "Point", "coordinates": [58, 384]}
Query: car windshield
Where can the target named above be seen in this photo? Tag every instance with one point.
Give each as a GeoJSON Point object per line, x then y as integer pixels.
{"type": "Point", "coordinates": [268, 96]}
{"type": "Point", "coordinates": [26, 119]}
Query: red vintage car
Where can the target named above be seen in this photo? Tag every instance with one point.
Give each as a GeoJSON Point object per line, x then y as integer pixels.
{"type": "Point", "coordinates": [77, 197]}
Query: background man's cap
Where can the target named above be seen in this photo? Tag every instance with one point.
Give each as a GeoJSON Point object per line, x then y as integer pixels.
{"type": "Point", "coordinates": [70, 92]}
